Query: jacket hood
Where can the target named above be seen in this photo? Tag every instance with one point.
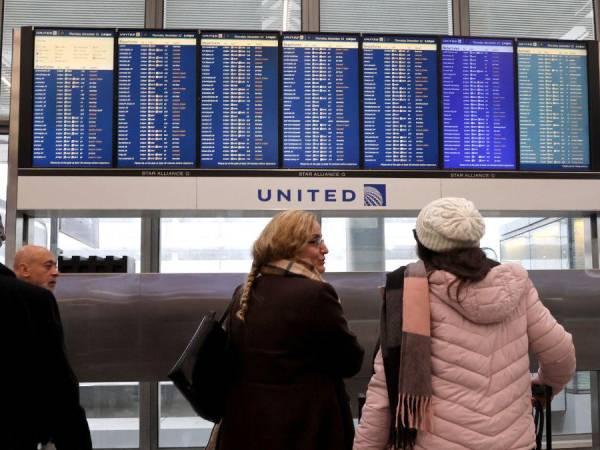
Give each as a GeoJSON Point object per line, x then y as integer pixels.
{"type": "Point", "coordinates": [488, 301]}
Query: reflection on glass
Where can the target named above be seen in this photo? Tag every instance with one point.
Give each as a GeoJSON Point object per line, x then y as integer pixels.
{"type": "Point", "coordinates": [575, 415]}
{"type": "Point", "coordinates": [400, 246]}
{"type": "Point", "coordinates": [334, 230]}
{"type": "Point", "coordinates": [113, 413]}
{"type": "Point", "coordinates": [549, 246]}
{"type": "Point", "coordinates": [208, 245]}
{"type": "Point", "coordinates": [39, 232]}
{"type": "Point", "coordinates": [179, 425]}
{"type": "Point", "coordinates": [544, 244]}
{"type": "Point", "coordinates": [101, 237]}
{"type": "Point", "coordinates": [355, 244]}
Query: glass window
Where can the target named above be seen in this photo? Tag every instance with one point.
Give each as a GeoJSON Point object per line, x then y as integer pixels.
{"type": "Point", "coordinates": [179, 425]}
{"type": "Point", "coordinates": [113, 413]}
{"type": "Point", "coordinates": [208, 245]}
{"type": "Point", "coordinates": [86, 237]}
{"type": "Point", "coordinates": [334, 231]}
{"type": "Point", "coordinates": [535, 243]}
{"type": "Point", "coordinates": [400, 246]}
{"type": "Point", "coordinates": [570, 19]}
{"type": "Point", "coordinates": [387, 16]}
{"type": "Point", "coordinates": [574, 406]}
{"type": "Point", "coordinates": [65, 13]}
{"type": "Point", "coordinates": [355, 244]}
{"type": "Point", "coordinates": [553, 243]}
{"type": "Point", "coordinates": [233, 14]}
{"type": "Point", "coordinates": [101, 237]}
{"type": "Point", "coordinates": [491, 241]}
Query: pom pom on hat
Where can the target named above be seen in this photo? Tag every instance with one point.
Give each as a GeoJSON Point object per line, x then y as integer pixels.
{"type": "Point", "coordinates": [450, 223]}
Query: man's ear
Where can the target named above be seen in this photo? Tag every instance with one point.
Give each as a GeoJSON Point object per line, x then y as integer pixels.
{"type": "Point", "coordinates": [23, 270]}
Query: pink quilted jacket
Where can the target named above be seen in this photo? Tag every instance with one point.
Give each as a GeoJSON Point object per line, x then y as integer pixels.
{"type": "Point", "coordinates": [480, 366]}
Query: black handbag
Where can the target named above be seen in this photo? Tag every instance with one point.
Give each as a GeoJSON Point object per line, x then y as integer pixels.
{"type": "Point", "coordinates": [200, 373]}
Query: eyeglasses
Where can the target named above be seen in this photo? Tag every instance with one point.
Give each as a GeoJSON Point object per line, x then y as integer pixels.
{"type": "Point", "coordinates": [317, 241]}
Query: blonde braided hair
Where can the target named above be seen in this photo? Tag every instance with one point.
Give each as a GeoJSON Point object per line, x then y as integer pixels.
{"type": "Point", "coordinates": [282, 238]}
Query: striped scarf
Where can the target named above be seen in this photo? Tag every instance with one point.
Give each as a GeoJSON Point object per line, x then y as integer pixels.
{"type": "Point", "coordinates": [406, 350]}
{"type": "Point", "coordinates": [285, 267]}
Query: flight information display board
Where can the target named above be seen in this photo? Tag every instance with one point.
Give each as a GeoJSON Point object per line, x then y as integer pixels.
{"type": "Point", "coordinates": [553, 105]}
{"type": "Point", "coordinates": [321, 126]}
{"type": "Point", "coordinates": [400, 102]}
{"type": "Point", "coordinates": [478, 103]}
{"type": "Point", "coordinates": [156, 99]}
{"type": "Point", "coordinates": [72, 98]}
{"type": "Point", "coordinates": [239, 100]}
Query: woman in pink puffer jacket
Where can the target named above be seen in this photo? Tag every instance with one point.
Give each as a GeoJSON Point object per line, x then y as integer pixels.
{"type": "Point", "coordinates": [484, 318]}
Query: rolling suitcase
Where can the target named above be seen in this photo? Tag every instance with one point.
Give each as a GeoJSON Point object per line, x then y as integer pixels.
{"type": "Point", "coordinates": [542, 416]}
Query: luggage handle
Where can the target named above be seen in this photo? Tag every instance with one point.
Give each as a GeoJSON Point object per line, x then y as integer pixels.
{"type": "Point", "coordinates": [543, 413]}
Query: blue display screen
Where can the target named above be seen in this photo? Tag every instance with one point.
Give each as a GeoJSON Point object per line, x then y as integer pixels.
{"type": "Point", "coordinates": [400, 102]}
{"type": "Point", "coordinates": [156, 99]}
{"type": "Point", "coordinates": [320, 101]}
{"type": "Point", "coordinates": [73, 98]}
{"type": "Point", "coordinates": [553, 105]}
{"type": "Point", "coordinates": [239, 100]}
{"type": "Point", "coordinates": [478, 103]}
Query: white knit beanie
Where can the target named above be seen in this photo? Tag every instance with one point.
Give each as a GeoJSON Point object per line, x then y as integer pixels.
{"type": "Point", "coordinates": [450, 223]}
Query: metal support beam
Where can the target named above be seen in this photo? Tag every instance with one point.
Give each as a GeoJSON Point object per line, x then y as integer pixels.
{"type": "Point", "coordinates": [10, 222]}
{"type": "Point", "coordinates": [311, 18]}
{"type": "Point", "coordinates": [461, 17]}
{"type": "Point", "coordinates": [154, 17]}
{"type": "Point", "coordinates": [595, 391]}
{"type": "Point", "coordinates": [595, 243]}
{"type": "Point", "coordinates": [596, 6]}
{"type": "Point", "coordinates": [54, 235]}
{"type": "Point", "coordinates": [148, 415]}
{"type": "Point", "coordinates": [150, 246]}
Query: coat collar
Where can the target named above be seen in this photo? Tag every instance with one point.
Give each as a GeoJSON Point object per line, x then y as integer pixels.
{"type": "Point", "coordinates": [6, 272]}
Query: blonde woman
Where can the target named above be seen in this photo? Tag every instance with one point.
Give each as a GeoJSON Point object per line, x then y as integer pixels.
{"type": "Point", "coordinates": [290, 347]}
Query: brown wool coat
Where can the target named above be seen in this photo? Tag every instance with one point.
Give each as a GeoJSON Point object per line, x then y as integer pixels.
{"type": "Point", "coordinates": [288, 361]}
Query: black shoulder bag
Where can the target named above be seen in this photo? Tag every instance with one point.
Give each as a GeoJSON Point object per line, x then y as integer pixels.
{"type": "Point", "coordinates": [200, 373]}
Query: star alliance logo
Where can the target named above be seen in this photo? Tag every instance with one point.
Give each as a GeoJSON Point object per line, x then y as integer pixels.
{"type": "Point", "coordinates": [375, 195]}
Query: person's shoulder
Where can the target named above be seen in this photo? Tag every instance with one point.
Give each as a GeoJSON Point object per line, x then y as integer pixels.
{"type": "Point", "coordinates": [511, 270]}
{"type": "Point", "coordinates": [317, 289]}
{"type": "Point", "coordinates": [299, 286]}
{"type": "Point", "coordinates": [24, 289]}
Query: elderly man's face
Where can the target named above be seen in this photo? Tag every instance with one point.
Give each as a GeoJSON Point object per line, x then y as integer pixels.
{"type": "Point", "coordinates": [41, 269]}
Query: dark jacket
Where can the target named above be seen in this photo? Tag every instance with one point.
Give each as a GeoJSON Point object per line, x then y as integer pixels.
{"type": "Point", "coordinates": [41, 393]}
{"type": "Point", "coordinates": [288, 359]}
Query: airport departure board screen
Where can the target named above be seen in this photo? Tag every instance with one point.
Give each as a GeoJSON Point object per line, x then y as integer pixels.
{"type": "Point", "coordinates": [553, 105]}
{"type": "Point", "coordinates": [239, 100]}
{"type": "Point", "coordinates": [478, 103]}
{"type": "Point", "coordinates": [72, 116]}
{"type": "Point", "coordinates": [400, 102]}
{"type": "Point", "coordinates": [320, 101]}
{"type": "Point", "coordinates": [156, 99]}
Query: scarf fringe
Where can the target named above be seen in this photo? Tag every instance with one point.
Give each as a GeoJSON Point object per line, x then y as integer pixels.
{"type": "Point", "coordinates": [414, 413]}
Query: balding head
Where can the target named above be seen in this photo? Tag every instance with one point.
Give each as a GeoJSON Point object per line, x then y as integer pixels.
{"type": "Point", "coordinates": [36, 265]}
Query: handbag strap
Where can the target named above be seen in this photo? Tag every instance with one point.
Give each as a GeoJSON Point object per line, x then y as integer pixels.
{"type": "Point", "coordinates": [227, 311]}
